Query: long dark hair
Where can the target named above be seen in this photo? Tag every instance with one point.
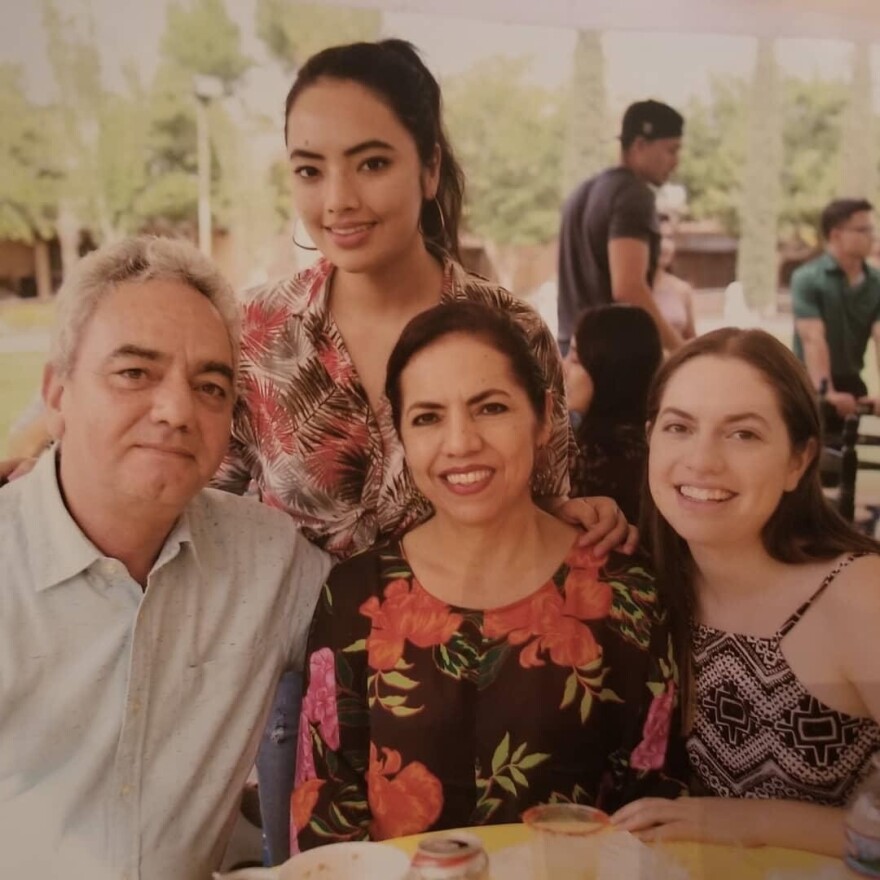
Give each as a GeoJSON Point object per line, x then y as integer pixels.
{"type": "Point", "coordinates": [394, 72]}
{"type": "Point", "coordinates": [481, 321]}
{"type": "Point", "coordinates": [619, 346]}
{"type": "Point", "coordinates": [805, 526]}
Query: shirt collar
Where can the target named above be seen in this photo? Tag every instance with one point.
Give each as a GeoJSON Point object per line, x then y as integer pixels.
{"type": "Point", "coordinates": [65, 551]}
{"type": "Point", "coordinates": [830, 265]}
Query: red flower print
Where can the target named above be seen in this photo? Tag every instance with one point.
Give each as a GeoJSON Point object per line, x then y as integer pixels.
{"type": "Point", "coordinates": [586, 597]}
{"type": "Point", "coordinates": [551, 624]}
{"type": "Point", "coordinates": [650, 753]}
{"type": "Point", "coordinates": [408, 613]}
{"type": "Point", "coordinates": [302, 805]}
{"type": "Point", "coordinates": [403, 800]}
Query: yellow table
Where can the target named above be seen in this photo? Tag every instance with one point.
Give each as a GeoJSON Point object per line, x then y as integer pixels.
{"type": "Point", "coordinates": [704, 861]}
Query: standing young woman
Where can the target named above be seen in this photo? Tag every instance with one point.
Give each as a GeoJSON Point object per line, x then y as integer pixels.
{"type": "Point", "coordinates": [777, 601]}
{"type": "Point", "coordinates": [377, 187]}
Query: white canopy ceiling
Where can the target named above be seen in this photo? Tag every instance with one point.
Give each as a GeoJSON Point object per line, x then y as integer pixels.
{"type": "Point", "coordinates": [856, 20]}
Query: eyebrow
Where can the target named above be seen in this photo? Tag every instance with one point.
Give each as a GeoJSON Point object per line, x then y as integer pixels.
{"type": "Point", "coordinates": [151, 354]}
{"type": "Point", "coordinates": [471, 401]}
{"type": "Point", "coordinates": [374, 144]}
{"type": "Point", "coordinates": [735, 417]}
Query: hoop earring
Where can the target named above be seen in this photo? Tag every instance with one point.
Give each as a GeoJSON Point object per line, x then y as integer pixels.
{"type": "Point", "coordinates": [301, 246]}
{"type": "Point", "coordinates": [435, 201]}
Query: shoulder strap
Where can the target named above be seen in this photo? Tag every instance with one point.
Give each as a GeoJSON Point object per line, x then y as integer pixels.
{"type": "Point", "coordinates": [794, 618]}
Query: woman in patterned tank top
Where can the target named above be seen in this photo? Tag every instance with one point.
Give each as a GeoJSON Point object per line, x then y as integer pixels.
{"type": "Point", "coordinates": [775, 598]}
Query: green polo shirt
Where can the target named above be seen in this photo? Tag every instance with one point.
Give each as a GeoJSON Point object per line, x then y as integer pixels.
{"type": "Point", "coordinates": [820, 289]}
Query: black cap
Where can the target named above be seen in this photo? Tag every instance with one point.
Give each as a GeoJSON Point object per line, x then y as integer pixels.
{"type": "Point", "coordinates": [650, 120]}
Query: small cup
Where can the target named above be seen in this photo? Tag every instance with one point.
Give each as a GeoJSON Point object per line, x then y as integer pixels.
{"type": "Point", "coordinates": [565, 840]}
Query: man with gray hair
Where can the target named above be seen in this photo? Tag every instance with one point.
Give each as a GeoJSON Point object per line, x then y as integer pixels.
{"type": "Point", "coordinates": [144, 619]}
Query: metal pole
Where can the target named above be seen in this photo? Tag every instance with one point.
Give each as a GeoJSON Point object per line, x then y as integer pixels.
{"type": "Point", "coordinates": [204, 168]}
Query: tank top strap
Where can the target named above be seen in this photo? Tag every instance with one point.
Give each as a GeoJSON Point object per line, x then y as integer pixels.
{"type": "Point", "coordinates": [802, 610]}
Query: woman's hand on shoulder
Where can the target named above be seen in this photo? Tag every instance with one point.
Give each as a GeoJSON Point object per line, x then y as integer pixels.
{"type": "Point", "coordinates": [604, 524]}
{"type": "Point", "coordinates": [732, 821]}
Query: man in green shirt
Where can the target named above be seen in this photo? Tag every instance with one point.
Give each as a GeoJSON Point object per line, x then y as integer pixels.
{"type": "Point", "coordinates": [836, 304]}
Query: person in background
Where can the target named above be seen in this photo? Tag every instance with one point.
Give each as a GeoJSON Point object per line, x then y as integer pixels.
{"type": "Point", "coordinates": [483, 661]}
{"type": "Point", "coordinates": [144, 619]}
{"type": "Point", "coordinates": [607, 374]}
{"type": "Point", "coordinates": [673, 296]}
{"type": "Point", "coordinates": [378, 189]}
{"type": "Point", "coordinates": [609, 239]}
{"type": "Point", "coordinates": [836, 303]}
{"type": "Point", "coordinates": [775, 602]}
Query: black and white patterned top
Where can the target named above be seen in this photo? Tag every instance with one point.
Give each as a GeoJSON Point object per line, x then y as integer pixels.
{"type": "Point", "coordinates": [757, 730]}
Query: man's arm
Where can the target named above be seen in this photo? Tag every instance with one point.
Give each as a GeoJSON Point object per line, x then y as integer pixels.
{"type": "Point", "coordinates": [818, 363]}
{"type": "Point", "coordinates": [628, 263]}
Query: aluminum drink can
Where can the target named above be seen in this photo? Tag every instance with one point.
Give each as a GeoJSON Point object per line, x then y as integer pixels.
{"type": "Point", "coordinates": [452, 857]}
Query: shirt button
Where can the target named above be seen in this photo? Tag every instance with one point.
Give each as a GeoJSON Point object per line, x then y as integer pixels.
{"type": "Point", "coordinates": [135, 707]}
{"type": "Point", "coordinates": [125, 791]}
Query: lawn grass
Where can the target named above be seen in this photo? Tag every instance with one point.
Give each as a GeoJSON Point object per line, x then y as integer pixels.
{"type": "Point", "coordinates": [20, 374]}
{"type": "Point", "coordinates": [23, 315]}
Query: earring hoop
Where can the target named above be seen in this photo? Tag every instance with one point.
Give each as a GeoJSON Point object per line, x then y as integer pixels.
{"type": "Point", "coordinates": [301, 246]}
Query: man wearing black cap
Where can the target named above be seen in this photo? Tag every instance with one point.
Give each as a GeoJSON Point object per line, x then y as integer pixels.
{"type": "Point", "coordinates": [609, 240]}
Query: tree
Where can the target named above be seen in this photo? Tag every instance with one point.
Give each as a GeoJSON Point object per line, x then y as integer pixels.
{"type": "Point", "coordinates": [28, 175]}
{"type": "Point", "coordinates": [714, 151]}
{"type": "Point", "coordinates": [294, 31]}
{"type": "Point", "coordinates": [756, 264]}
{"type": "Point", "coordinates": [200, 38]}
{"type": "Point", "coordinates": [585, 153]}
{"type": "Point", "coordinates": [509, 137]}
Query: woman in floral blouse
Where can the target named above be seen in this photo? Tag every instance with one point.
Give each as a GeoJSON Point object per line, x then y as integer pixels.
{"type": "Point", "coordinates": [377, 187]}
{"type": "Point", "coordinates": [483, 662]}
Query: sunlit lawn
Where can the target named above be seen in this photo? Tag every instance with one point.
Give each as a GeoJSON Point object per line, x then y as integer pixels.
{"type": "Point", "coordinates": [20, 374]}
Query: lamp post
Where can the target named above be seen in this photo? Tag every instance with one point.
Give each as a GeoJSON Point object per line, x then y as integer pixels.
{"type": "Point", "coordinates": [205, 89]}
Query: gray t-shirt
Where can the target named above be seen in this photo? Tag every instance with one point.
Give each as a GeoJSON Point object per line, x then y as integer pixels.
{"type": "Point", "coordinates": [613, 204]}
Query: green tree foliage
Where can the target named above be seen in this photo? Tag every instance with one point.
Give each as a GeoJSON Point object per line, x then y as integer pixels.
{"type": "Point", "coordinates": [293, 31]}
{"type": "Point", "coordinates": [756, 260]}
{"type": "Point", "coordinates": [812, 118]}
{"type": "Point", "coordinates": [587, 152]}
{"type": "Point", "coordinates": [714, 154]}
{"type": "Point", "coordinates": [200, 37]}
{"type": "Point", "coordinates": [509, 137]}
{"type": "Point", "coordinates": [28, 173]}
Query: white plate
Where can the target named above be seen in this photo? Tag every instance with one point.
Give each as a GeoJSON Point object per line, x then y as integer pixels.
{"type": "Point", "coordinates": [347, 861]}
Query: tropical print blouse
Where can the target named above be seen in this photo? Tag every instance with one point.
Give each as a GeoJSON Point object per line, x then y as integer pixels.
{"type": "Point", "coordinates": [304, 430]}
{"type": "Point", "coordinates": [420, 715]}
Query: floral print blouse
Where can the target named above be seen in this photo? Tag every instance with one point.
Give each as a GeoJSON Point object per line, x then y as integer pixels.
{"type": "Point", "coordinates": [420, 715]}
{"type": "Point", "coordinates": [304, 430]}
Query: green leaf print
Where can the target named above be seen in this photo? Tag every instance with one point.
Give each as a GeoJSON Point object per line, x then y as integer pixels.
{"type": "Point", "coordinates": [532, 760]}
{"type": "Point", "coordinates": [458, 658]}
{"type": "Point", "coordinates": [359, 645]}
{"type": "Point", "coordinates": [570, 691]}
{"type": "Point", "coordinates": [398, 680]}
{"type": "Point", "coordinates": [501, 752]}
{"type": "Point", "coordinates": [508, 772]}
{"type": "Point", "coordinates": [633, 607]}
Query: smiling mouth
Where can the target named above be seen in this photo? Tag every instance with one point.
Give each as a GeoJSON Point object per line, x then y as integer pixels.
{"type": "Point", "coordinates": [700, 493]}
{"type": "Point", "coordinates": [468, 478]}
{"type": "Point", "coordinates": [344, 231]}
